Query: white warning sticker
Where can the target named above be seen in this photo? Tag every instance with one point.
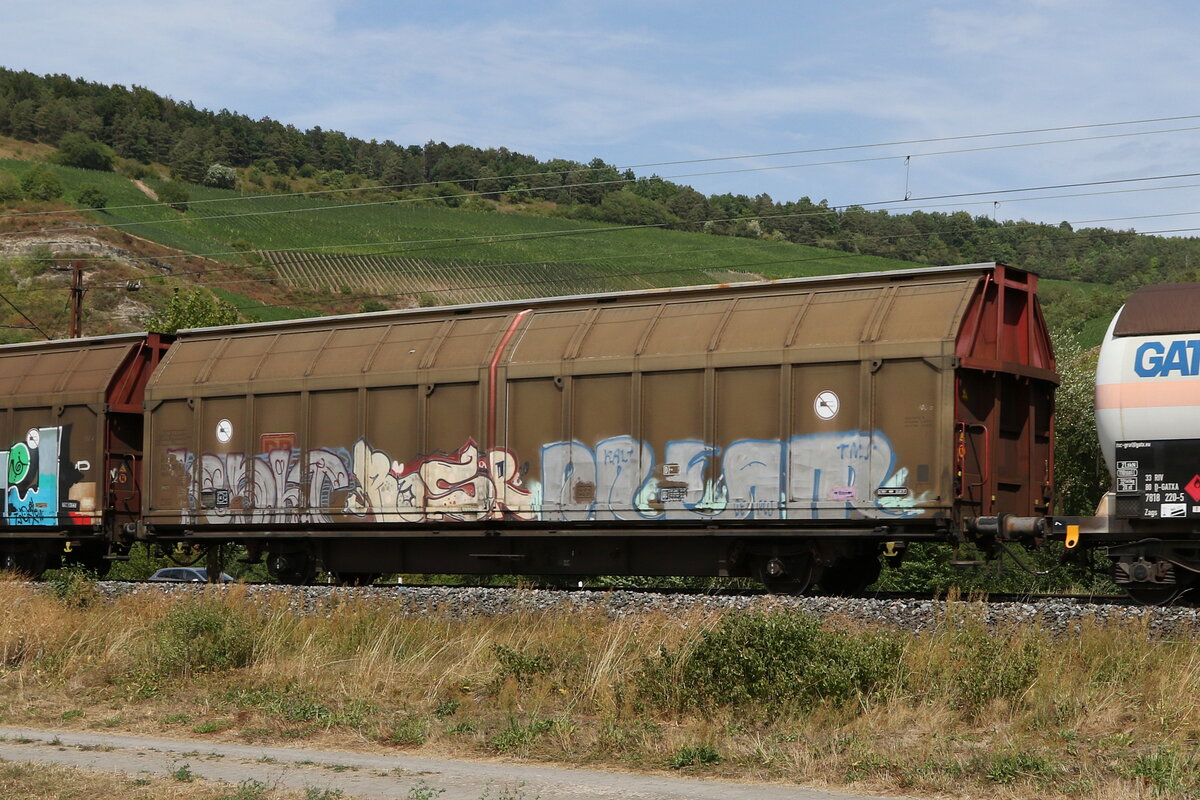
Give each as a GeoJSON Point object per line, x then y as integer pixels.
{"type": "Point", "coordinates": [1172, 510]}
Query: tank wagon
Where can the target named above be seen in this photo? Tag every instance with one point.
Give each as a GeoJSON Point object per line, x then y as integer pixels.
{"type": "Point", "coordinates": [788, 430]}
{"type": "Point", "coordinates": [1147, 395]}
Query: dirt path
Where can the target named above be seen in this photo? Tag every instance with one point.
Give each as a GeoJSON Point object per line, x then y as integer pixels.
{"type": "Point", "coordinates": [146, 190]}
{"type": "Point", "coordinates": [360, 775]}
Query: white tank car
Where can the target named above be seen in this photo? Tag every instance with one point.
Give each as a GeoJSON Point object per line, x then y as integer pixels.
{"type": "Point", "coordinates": [1148, 401]}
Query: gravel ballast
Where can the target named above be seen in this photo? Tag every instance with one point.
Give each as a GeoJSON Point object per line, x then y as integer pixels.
{"type": "Point", "coordinates": [1064, 615]}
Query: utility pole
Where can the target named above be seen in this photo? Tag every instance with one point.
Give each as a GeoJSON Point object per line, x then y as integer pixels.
{"type": "Point", "coordinates": [76, 299]}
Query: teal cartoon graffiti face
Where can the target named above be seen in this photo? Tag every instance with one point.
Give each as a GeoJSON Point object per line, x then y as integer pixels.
{"type": "Point", "coordinates": [18, 463]}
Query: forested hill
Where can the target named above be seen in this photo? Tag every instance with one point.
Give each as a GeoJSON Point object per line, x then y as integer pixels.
{"type": "Point", "coordinates": [128, 129]}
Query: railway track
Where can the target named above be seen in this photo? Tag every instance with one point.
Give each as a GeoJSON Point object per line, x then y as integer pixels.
{"type": "Point", "coordinates": [905, 612]}
{"type": "Point", "coordinates": [670, 591]}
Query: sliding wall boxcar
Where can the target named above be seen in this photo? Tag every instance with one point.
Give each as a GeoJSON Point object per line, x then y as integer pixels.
{"type": "Point", "coordinates": [71, 430]}
{"type": "Point", "coordinates": [851, 406]}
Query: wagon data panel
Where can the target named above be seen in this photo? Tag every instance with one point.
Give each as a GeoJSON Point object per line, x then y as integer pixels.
{"type": "Point", "coordinates": [1158, 479]}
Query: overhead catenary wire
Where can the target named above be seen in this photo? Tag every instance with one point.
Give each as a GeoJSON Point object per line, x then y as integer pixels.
{"type": "Point", "coordinates": [592, 230]}
{"type": "Point", "coordinates": [564, 279]}
{"type": "Point", "coordinates": [498, 239]}
{"type": "Point", "coordinates": [627, 274]}
{"type": "Point", "coordinates": [906, 157]}
{"type": "Point", "coordinates": [708, 159]}
{"type": "Point", "coordinates": [24, 316]}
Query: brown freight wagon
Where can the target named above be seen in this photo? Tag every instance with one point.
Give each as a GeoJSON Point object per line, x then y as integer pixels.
{"type": "Point", "coordinates": [788, 430]}
{"type": "Point", "coordinates": [71, 419]}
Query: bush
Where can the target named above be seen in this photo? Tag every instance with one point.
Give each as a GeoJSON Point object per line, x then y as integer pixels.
{"type": "Point", "coordinates": [9, 188]}
{"type": "Point", "coordinates": [202, 636]}
{"type": "Point", "coordinates": [37, 261]}
{"type": "Point", "coordinates": [773, 662]}
{"type": "Point", "coordinates": [74, 586]}
{"type": "Point", "coordinates": [196, 308]}
{"type": "Point", "coordinates": [174, 195]}
{"type": "Point", "coordinates": [220, 176]}
{"type": "Point", "coordinates": [522, 665]}
{"type": "Point", "coordinates": [40, 183]}
{"type": "Point", "coordinates": [80, 150]}
{"type": "Point", "coordinates": [135, 170]}
{"type": "Point", "coordinates": [91, 196]}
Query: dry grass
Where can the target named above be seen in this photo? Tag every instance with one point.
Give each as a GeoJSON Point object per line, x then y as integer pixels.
{"type": "Point", "coordinates": [961, 711]}
{"type": "Point", "coordinates": [29, 151]}
{"type": "Point", "coordinates": [22, 781]}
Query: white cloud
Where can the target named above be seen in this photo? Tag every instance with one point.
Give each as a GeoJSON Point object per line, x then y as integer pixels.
{"type": "Point", "coordinates": [663, 80]}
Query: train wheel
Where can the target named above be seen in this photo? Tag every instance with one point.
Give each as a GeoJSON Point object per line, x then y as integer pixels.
{"type": "Point", "coordinates": [292, 567]}
{"type": "Point", "coordinates": [850, 573]}
{"type": "Point", "coordinates": [355, 578]}
{"type": "Point", "coordinates": [786, 574]}
{"type": "Point", "coordinates": [1151, 594]}
{"type": "Point", "coordinates": [1151, 582]}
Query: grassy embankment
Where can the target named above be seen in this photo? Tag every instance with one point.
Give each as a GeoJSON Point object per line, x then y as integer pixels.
{"type": "Point", "coordinates": [958, 710]}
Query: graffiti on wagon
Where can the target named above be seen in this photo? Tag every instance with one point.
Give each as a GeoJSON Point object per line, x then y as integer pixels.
{"type": "Point", "coordinates": [818, 476]}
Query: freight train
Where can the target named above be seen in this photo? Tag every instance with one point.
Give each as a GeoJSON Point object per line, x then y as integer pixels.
{"type": "Point", "coordinates": [793, 431]}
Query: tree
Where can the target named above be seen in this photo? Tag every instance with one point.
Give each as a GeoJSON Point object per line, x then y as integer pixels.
{"type": "Point", "coordinates": [1080, 478]}
{"type": "Point", "coordinates": [174, 195]}
{"type": "Point", "coordinates": [193, 308]}
{"type": "Point", "coordinates": [40, 183]}
{"type": "Point", "coordinates": [189, 156]}
{"type": "Point", "coordinates": [220, 176]}
{"type": "Point", "coordinates": [627, 208]}
{"type": "Point", "coordinates": [91, 196]}
{"type": "Point", "coordinates": [80, 150]}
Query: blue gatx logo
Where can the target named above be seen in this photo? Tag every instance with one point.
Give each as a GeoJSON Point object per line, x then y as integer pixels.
{"type": "Point", "coordinates": [1160, 359]}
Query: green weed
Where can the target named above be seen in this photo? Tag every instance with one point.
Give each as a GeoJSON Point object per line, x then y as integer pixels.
{"type": "Point", "coordinates": [522, 665]}
{"type": "Point", "coordinates": [409, 731]}
{"type": "Point", "coordinates": [423, 791]}
{"type": "Point", "coordinates": [247, 790]}
{"type": "Point", "coordinates": [517, 735]}
{"type": "Point", "coordinates": [694, 756]}
{"type": "Point", "coordinates": [202, 636]}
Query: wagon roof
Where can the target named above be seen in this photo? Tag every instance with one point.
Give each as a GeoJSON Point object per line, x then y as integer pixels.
{"type": "Point", "coordinates": [1161, 309]}
{"type": "Point", "coordinates": [681, 292]}
{"type": "Point", "coordinates": [901, 314]}
{"type": "Point", "coordinates": [64, 371]}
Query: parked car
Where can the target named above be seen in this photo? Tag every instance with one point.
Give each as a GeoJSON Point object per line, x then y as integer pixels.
{"type": "Point", "coordinates": [185, 575]}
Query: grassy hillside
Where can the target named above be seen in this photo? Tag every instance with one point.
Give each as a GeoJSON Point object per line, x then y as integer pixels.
{"type": "Point", "coordinates": [218, 218]}
{"type": "Point", "coordinates": [352, 251]}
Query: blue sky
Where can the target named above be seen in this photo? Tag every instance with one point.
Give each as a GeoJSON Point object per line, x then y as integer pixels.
{"type": "Point", "coordinates": [666, 80]}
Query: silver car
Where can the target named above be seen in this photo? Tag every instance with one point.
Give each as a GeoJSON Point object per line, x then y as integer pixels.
{"type": "Point", "coordinates": [185, 575]}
